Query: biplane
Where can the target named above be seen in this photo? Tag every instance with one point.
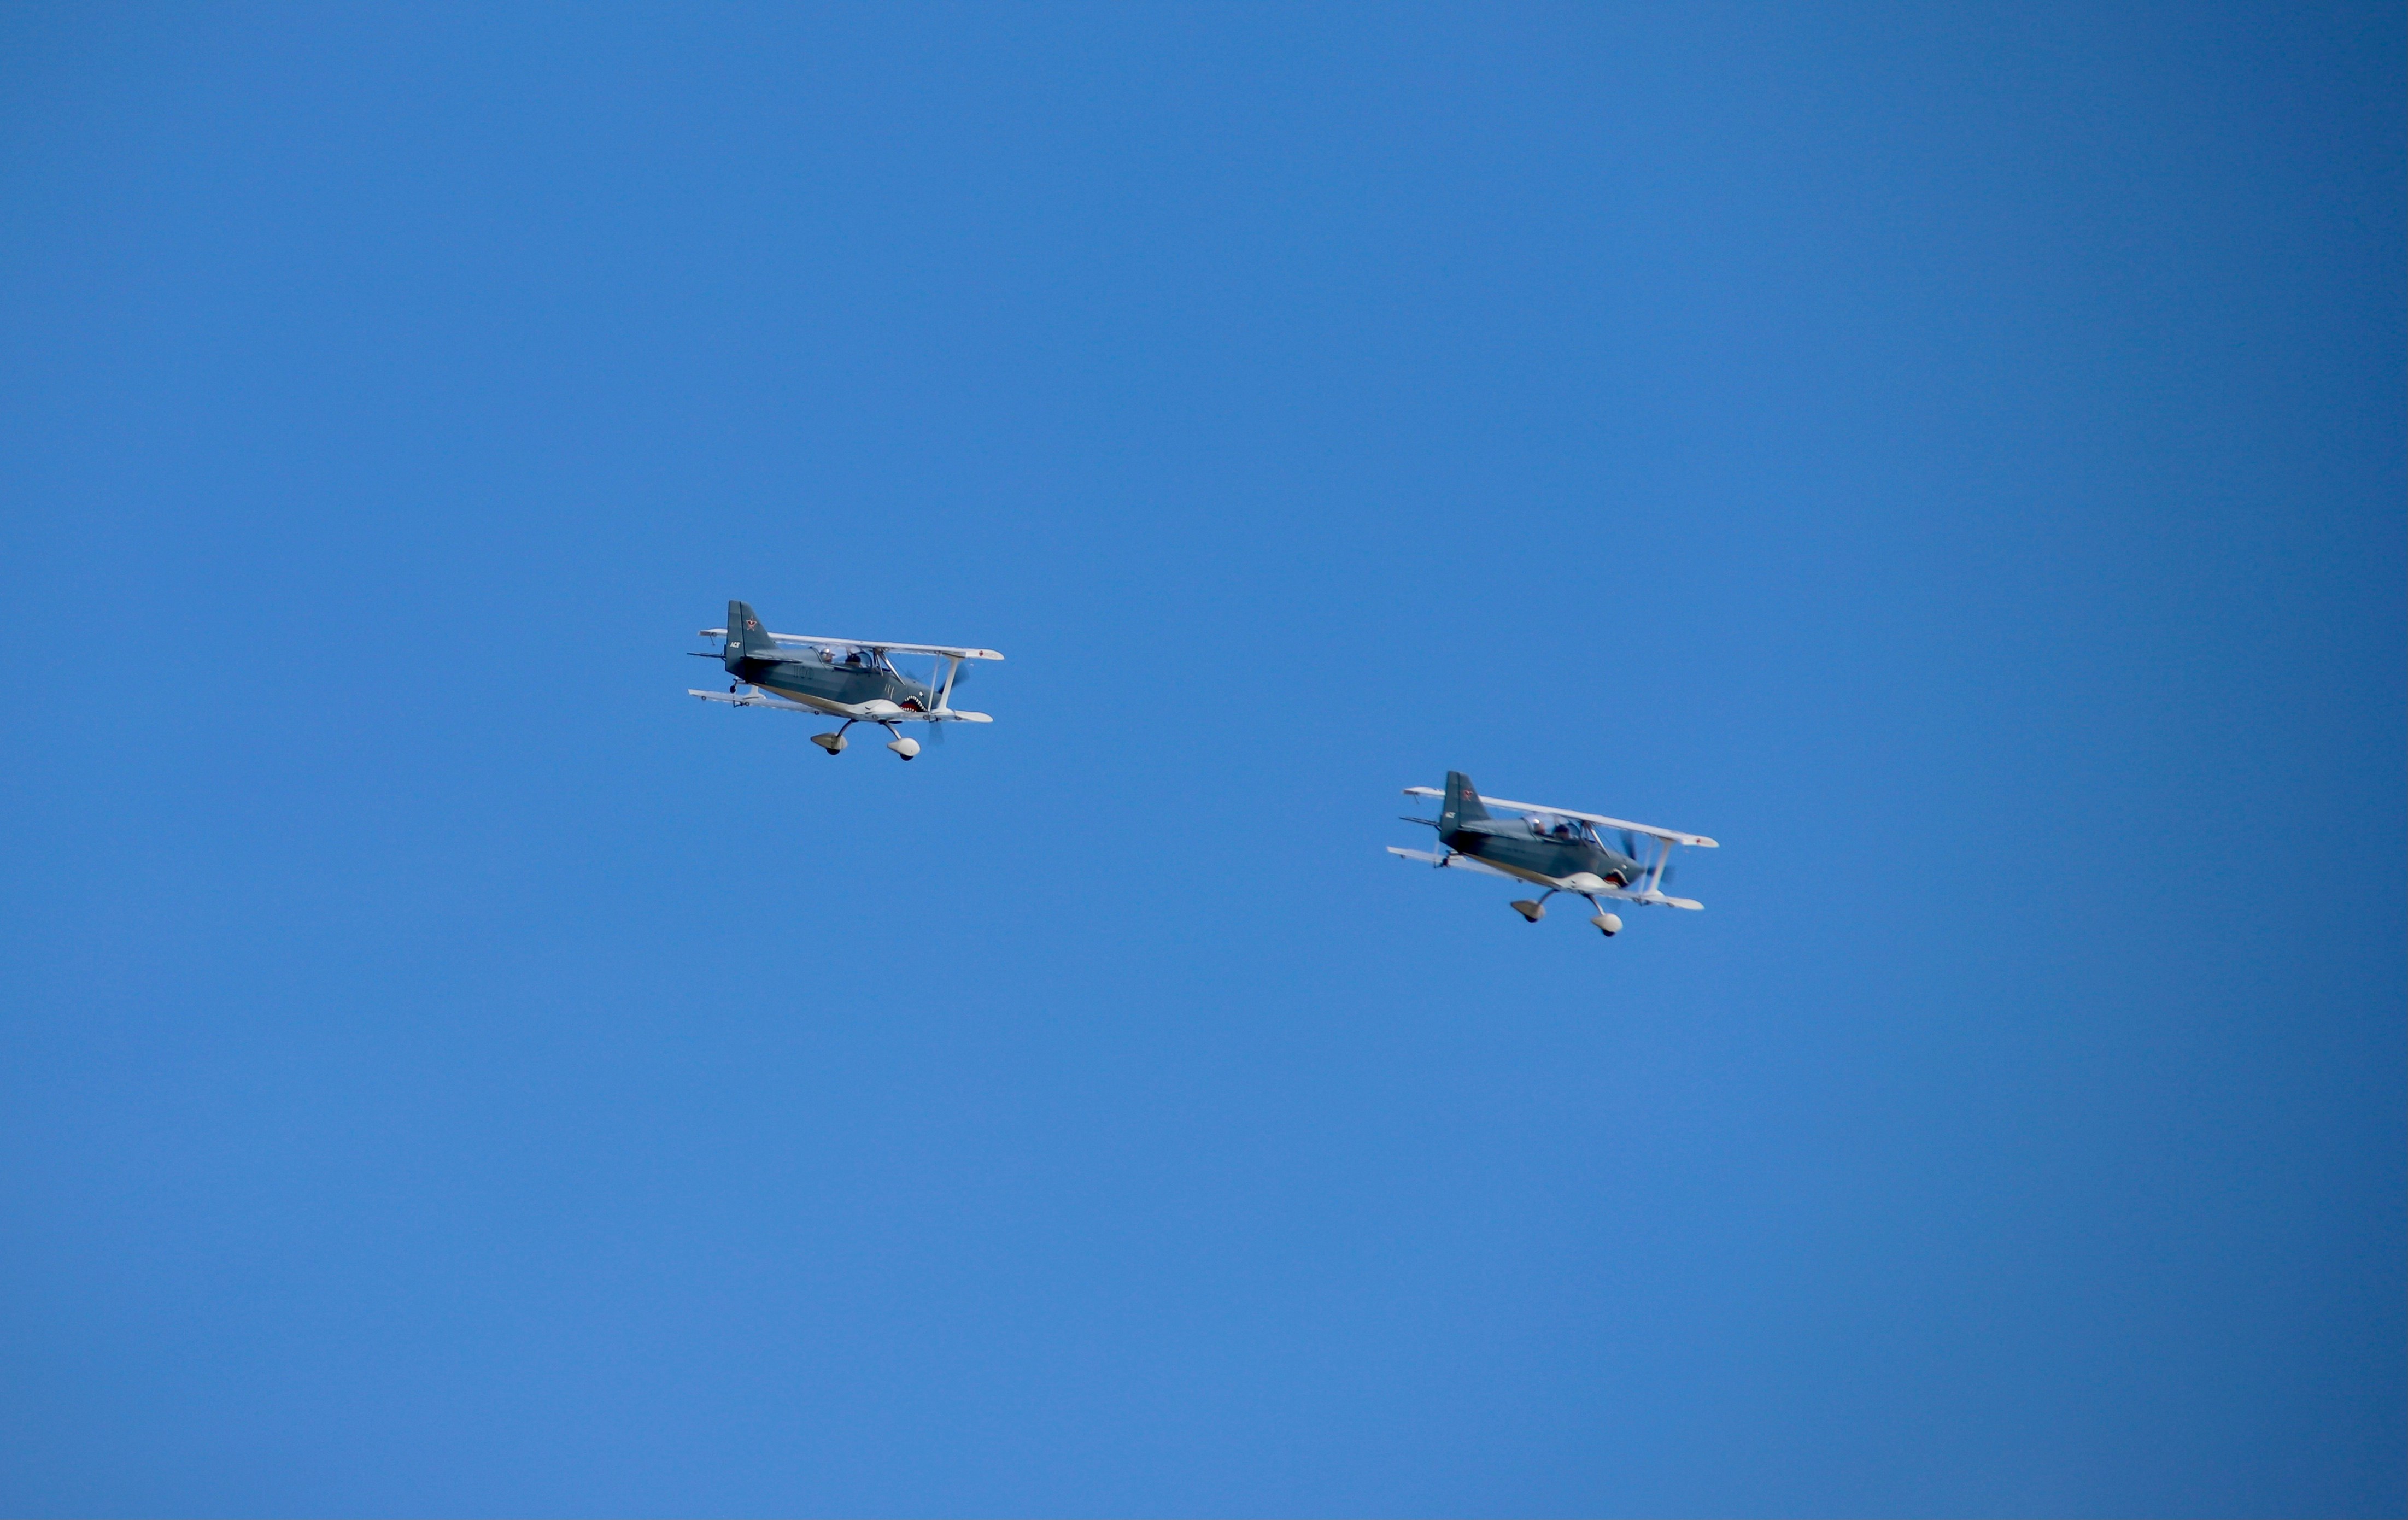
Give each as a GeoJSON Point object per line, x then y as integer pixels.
{"type": "Point", "coordinates": [1555, 848]}
{"type": "Point", "coordinates": [853, 678]}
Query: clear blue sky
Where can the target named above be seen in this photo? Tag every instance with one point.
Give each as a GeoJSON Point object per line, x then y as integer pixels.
{"type": "Point", "coordinates": [1954, 456]}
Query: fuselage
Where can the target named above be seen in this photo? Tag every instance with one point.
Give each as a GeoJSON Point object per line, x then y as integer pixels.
{"type": "Point", "coordinates": [814, 677]}
{"type": "Point", "coordinates": [1536, 853]}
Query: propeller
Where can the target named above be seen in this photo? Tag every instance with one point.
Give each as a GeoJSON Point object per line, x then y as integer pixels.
{"type": "Point", "coordinates": [1630, 848]}
{"type": "Point", "coordinates": [935, 683]}
{"type": "Point", "coordinates": [933, 676]}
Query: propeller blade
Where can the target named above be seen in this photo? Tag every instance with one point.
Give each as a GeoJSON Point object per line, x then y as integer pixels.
{"type": "Point", "coordinates": [926, 677]}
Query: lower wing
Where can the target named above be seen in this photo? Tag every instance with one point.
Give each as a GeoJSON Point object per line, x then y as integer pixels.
{"type": "Point", "coordinates": [1658, 898]}
{"type": "Point", "coordinates": [1583, 885]}
{"type": "Point", "coordinates": [878, 710]}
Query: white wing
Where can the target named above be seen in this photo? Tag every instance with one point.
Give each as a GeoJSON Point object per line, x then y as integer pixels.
{"type": "Point", "coordinates": [1674, 835]}
{"type": "Point", "coordinates": [1582, 886]}
{"type": "Point", "coordinates": [883, 646]}
{"type": "Point", "coordinates": [1658, 898]}
{"type": "Point", "coordinates": [876, 710]}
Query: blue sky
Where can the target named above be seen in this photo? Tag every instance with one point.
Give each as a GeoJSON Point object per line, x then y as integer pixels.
{"type": "Point", "coordinates": [1953, 456]}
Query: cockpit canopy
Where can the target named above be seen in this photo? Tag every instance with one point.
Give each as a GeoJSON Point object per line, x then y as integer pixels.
{"type": "Point", "coordinates": [855, 659]}
{"type": "Point", "coordinates": [1564, 830]}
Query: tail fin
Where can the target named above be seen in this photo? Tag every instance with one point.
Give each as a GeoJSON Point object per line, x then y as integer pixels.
{"type": "Point", "coordinates": [746, 636]}
{"type": "Point", "coordinates": [1462, 804]}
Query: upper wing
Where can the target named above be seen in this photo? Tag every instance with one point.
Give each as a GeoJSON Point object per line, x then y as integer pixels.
{"type": "Point", "coordinates": [817, 640]}
{"type": "Point", "coordinates": [1650, 829]}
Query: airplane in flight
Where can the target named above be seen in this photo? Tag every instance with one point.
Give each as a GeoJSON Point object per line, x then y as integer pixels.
{"type": "Point", "coordinates": [1554, 848]}
{"type": "Point", "coordinates": [853, 678]}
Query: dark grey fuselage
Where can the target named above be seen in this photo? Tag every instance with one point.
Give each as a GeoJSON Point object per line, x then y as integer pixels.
{"type": "Point", "coordinates": [1545, 849]}
{"type": "Point", "coordinates": [813, 676]}
{"type": "Point", "coordinates": [1528, 850]}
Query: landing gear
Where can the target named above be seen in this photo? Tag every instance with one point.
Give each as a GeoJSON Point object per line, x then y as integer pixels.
{"type": "Point", "coordinates": [1533, 909]}
{"type": "Point", "coordinates": [1607, 924]}
{"type": "Point", "coordinates": [833, 744]}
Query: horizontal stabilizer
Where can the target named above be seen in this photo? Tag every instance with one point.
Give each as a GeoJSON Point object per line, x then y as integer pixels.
{"type": "Point", "coordinates": [1458, 862]}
